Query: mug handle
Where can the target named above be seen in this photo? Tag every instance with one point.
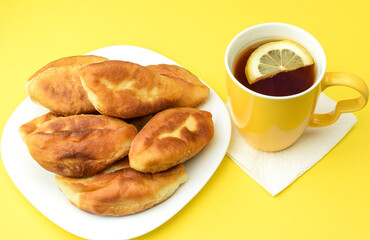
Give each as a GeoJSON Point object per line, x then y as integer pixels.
{"type": "Point", "coordinates": [344, 106]}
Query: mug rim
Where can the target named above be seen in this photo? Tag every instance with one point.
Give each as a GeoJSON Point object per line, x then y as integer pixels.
{"type": "Point", "coordinates": [317, 81]}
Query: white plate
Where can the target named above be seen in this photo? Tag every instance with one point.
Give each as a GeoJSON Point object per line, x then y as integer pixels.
{"type": "Point", "coordinates": [38, 186]}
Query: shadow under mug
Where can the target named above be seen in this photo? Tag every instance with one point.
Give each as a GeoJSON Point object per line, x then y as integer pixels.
{"type": "Point", "coordinates": [271, 123]}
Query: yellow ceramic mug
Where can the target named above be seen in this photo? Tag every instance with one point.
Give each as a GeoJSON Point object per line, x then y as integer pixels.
{"type": "Point", "coordinates": [273, 123]}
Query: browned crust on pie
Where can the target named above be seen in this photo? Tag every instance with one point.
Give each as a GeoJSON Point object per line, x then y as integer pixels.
{"type": "Point", "coordinates": [80, 145]}
{"type": "Point", "coordinates": [121, 190]}
{"type": "Point", "coordinates": [194, 90]}
{"type": "Point", "coordinates": [32, 125]}
{"type": "Point", "coordinates": [57, 86]}
{"type": "Point", "coordinates": [128, 90]}
{"type": "Point", "coordinates": [169, 138]}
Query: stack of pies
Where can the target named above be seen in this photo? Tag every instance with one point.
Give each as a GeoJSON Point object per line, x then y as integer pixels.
{"type": "Point", "coordinates": [117, 133]}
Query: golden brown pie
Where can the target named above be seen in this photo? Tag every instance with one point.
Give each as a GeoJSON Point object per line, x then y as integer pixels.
{"type": "Point", "coordinates": [80, 145]}
{"type": "Point", "coordinates": [128, 90]}
{"type": "Point", "coordinates": [194, 90]}
{"type": "Point", "coordinates": [57, 86]}
{"type": "Point", "coordinates": [169, 138]}
{"type": "Point", "coordinates": [121, 190]}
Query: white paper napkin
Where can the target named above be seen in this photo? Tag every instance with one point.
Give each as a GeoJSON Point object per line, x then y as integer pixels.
{"type": "Point", "coordinates": [275, 171]}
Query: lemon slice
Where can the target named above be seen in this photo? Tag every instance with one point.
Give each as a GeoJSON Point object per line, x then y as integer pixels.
{"type": "Point", "coordinates": [274, 57]}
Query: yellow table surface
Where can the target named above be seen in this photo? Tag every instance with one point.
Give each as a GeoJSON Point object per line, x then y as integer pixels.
{"type": "Point", "coordinates": [330, 201]}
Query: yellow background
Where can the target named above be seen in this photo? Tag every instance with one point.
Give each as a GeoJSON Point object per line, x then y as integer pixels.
{"type": "Point", "coordinates": [330, 201]}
